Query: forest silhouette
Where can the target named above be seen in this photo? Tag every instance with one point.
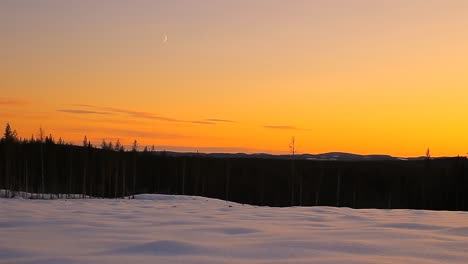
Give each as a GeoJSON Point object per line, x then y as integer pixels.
{"type": "Point", "coordinates": [46, 166]}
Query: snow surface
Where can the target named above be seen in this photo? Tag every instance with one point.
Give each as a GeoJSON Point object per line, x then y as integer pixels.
{"type": "Point", "coordinates": [182, 229]}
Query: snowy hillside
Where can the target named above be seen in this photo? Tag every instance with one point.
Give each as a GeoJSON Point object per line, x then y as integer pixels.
{"type": "Point", "coordinates": [181, 229]}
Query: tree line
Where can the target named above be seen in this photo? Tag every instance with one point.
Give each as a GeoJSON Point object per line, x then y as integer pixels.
{"type": "Point", "coordinates": [47, 167]}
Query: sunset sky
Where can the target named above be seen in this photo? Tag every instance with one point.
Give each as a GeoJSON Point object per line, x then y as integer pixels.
{"type": "Point", "coordinates": [387, 77]}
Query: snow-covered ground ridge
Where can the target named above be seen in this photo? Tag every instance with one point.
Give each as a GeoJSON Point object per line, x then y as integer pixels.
{"type": "Point", "coordinates": [184, 229]}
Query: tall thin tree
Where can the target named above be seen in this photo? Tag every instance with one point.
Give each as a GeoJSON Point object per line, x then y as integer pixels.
{"type": "Point", "coordinates": [134, 150]}
{"type": "Point", "coordinates": [292, 148]}
{"type": "Point", "coordinates": [41, 140]}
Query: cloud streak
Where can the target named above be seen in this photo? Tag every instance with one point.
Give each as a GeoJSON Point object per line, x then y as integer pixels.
{"type": "Point", "coordinates": [137, 114]}
{"type": "Point", "coordinates": [203, 122]}
{"type": "Point", "coordinates": [113, 111]}
{"type": "Point", "coordinates": [217, 120]}
{"type": "Point", "coordinates": [284, 127]}
{"type": "Point", "coordinates": [86, 112]}
{"type": "Point", "coordinates": [13, 102]}
{"type": "Point", "coordinates": [140, 115]}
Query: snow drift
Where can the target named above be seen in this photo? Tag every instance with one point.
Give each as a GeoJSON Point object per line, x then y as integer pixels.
{"type": "Point", "coordinates": [183, 229]}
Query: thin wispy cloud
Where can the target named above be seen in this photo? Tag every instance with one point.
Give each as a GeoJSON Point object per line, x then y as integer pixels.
{"type": "Point", "coordinates": [142, 115]}
{"type": "Point", "coordinates": [283, 127]}
{"type": "Point", "coordinates": [137, 114]}
{"type": "Point", "coordinates": [113, 110]}
{"type": "Point", "coordinates": [86, 112]}
{"type": "Point", "coordinates": [216, 120]}
{"type": "Point", "coordinates": [203, 122]}
{"type": "Point", "coordinates": [13, 102]}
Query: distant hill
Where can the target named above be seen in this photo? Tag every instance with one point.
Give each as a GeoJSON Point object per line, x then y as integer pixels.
{"type": "Point", "coordinates": [331, 156]}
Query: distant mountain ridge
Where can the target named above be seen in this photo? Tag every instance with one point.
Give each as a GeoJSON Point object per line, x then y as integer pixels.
{"type": "Point", "coordinates": [330, 156]}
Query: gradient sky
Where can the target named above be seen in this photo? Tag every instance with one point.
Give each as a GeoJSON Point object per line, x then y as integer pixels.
{"type": "Point", "coordinates": [365, 76]}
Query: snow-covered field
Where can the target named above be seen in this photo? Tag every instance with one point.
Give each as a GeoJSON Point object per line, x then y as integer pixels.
{"type": "Point", "coordinates": [181, 229]}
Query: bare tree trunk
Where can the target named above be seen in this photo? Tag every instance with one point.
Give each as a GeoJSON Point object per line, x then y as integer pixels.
{"type": "Point", "coordinates": [26, 176]}
{"type": "Point", "coordinates": [116, 178]}
{"type": "Point", "coordinates": [293, 175]}
{"type": "Point", "coordinates": [109, 176]}
{"type": "Point", "coordinates": [292, 147]}
{"type": "Point", "coordinates": [354, 196]}
{"type": "Point", "coordinates": [84, 175]}
{"type": "Point", "coordinates": [7, 169]}
{"type": "Point", "coordinates": [338, 186]}
{"type": "Point", "coordinates": [183, 176]}
{"type": "Point", "coordinates": [197, 176]}
{"type": "Point", "coordinates": [389, 197]}
{"type": "Point", "coordinates": [42, 170]}
{"type": "Point", "coordinates": [134, 175]}
{"type": "Point", "coordinates": [228, 174]}
{"type": "Point", "coordinates": [317, 193]}
{"type": "Point", "coordinates": [155, 178]}
{"type": "Point", "coordinates": [317, 187]}
{"type": "Point", "coordinates": [124, 193]}
{"type": "Point", "coordinates": [300, 189]}
{"type": "Point", "coordinates": [103, 183]}
{"type": "Point", "coordinates": [70, 176]}
{"type": "Point", "coordinates": [7, 176]}
{"type": "Point", "coordinates": [262, 188]}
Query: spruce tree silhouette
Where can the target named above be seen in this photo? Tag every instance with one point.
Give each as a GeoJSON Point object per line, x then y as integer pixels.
{"type": "Point", "coordinates": [10, 136]}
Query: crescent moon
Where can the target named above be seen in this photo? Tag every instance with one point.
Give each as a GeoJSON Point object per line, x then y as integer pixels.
{"type": "Point", "coordinates": [165, 39]}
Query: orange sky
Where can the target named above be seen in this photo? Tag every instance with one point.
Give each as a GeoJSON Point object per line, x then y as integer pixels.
{"type": "Point", "coordinates": [367, 76]}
